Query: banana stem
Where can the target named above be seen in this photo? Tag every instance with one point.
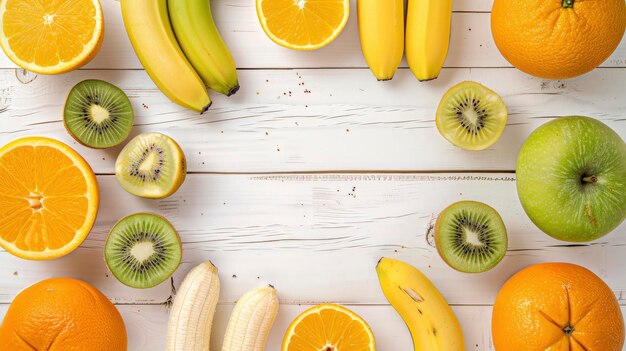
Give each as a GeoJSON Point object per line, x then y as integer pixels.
{"type": "Point", "coordinates": [568, 4]}
{"type": "Point", "coordinates": [233, 90]}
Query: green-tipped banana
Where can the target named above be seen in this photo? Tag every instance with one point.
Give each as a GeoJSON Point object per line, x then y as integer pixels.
{"type": "Point", "coordinates": [197, 35]}
{"type": "Point", "coordinates": [150, 32]}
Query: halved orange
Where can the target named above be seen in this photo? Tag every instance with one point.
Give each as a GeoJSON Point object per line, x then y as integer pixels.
{"type": "Point", "coordinates": [48, 198]}
{"type": "Point", "coordinates": [51, 36]}
{"type": "Point", "coordinates": [328, 327]}
{"type": "Point", "coordinates": [303, 24]}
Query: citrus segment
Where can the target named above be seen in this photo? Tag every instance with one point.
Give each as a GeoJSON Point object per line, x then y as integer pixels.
{"type": "Point", "coordinates": [328, 327]}
{"type": "Point", "coordinates": [303, 24]}
{"type": "Point", "coordinates": [50, 37]}
{"type": "Point", "coordinates": [48, 198]}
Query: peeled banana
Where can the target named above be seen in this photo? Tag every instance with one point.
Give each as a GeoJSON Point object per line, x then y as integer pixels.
{"type": "Point", "coordinates": [432, 324]}
{"type": "Point", "coordinates": [381, 29]}
{"type": "Point", "coordinates": [427, 36]}
{"type": "Point", "coordinates": [191, 318]}
{"type": "Point", "coordinates": [148, 26]}
{"type": "Point", "coordinates": [197, 35]}
{"type": "Point", "coordinates": [251, 320]}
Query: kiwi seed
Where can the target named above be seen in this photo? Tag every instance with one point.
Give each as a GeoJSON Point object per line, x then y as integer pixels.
{"type": "Point", "coordinates": [143, 250]}
{"type": "Point", "coordinates": [470, 236]}
{"type": "Point", "coordinates": [151, 165]}
{"type": "Point", "coordinates": [98, 114]}
{"type": "Point", "coordinates": [471, 116]}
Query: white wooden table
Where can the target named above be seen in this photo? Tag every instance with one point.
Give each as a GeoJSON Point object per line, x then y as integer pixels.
{"type": "Point", "coordinates": [313, 171]}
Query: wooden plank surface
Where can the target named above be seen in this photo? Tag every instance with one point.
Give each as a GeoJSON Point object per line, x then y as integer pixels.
{"type": "Point", "coordinates": [294, 231]}
{"type": "Point", "coordinates": [315, 166]}
{"type": "Point", "coordinates": [319, 120]}
{"type": "Point", "coordinates": [471, 42]}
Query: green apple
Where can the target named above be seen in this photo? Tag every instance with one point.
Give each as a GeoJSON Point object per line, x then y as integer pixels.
{"type": "Point", "coordinates": [571, 178]}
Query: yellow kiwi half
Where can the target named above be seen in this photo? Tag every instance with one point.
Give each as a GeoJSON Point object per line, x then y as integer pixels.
{"type": "Point", "coordinates": [471, 116]}
{"type": "Point", "coordinates": [151, 165]}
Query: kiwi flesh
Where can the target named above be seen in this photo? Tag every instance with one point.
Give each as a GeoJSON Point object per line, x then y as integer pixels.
{"type": "Point", "coordinates": [471, 116]}
{"type": "Point", "coordinates": [470, 236]}
{"type": "Point", "coordinates": [151, 165]}
{"type": "Point", "coordinates": [98, 114]}
{"type": "Point", "coordinates": [143, 250]}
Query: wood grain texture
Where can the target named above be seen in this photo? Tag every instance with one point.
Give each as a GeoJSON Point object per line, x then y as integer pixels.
{"type": "Point", "coordinates": [285, 215]}
{"type": "Point", "coordinates": [471, 43]}
{"type": "Point", "coordinates": [318, 237]}
{"type": "Point", "coordinates": [318, 120]}
{"type": "Point", "coordinates": [146, 326]}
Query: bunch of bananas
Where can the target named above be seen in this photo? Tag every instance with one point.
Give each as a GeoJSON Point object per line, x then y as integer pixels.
{"type": "Point", "coordinates": [382, 33]}
{"type": "Point", "coordinates": [179, 46]}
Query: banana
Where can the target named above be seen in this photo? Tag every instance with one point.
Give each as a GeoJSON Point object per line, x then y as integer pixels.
{"type": "Point", "coordinates": [381, 29]}
{"type": "Point", "coordinates": [148, 26]}
{"type": "Point", "coordinates": [189, 325]}
{"type": "Point", "coordinates": [251, 320]}
{"type": "Point", "coordinates": [427, 36]}
{"type": "Point", "coordinates": [197, 35]}
{"type": "Point", "coordinates": [432, 324]}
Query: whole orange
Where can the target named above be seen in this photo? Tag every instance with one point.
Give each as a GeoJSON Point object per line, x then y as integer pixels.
{"type": "Point", "coordinates": [556, 307]}
{"type": "Point", "coordinates": [62, 314]}
{"type": "Point", "coordinates": [557, 39]}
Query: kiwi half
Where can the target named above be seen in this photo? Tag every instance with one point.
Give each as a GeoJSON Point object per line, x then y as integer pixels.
{"type": "Point", "coordinates": [98, 114]}
{"type": "Point", "coordinates": [471, 116]}
{"type": "Point", "coordinates": [151, 165]}
{"type": "Point", "coordinates": [470, 236]}
{"type": "Point", "coordinates": [143, 250]}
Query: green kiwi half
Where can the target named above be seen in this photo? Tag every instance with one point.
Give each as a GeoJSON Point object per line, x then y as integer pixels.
{"type": "Point", "coordinates": [143, 250]}
{"type": "Point", "coordinates": [471, 116]}
{"type": "Point", "coordinates": [470, 236]}
{"type": "Point", "coordinates": [151, 165]}
{"type": "Point", "coordinates": [98, 114]}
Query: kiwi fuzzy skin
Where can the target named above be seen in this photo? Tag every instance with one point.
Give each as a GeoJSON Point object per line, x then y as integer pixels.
{"type": "Point", "coordinates": [182, 174]}
{"type": "Point", "coordinates": [180, 245]}
{"type": "Point", "coordinates": [438, 246]}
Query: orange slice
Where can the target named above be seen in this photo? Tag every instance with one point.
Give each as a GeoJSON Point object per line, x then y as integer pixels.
{"type": "Point", "coordinates": [51, 36]}
{"type": "Point", "coordinates": [328, 327]}
{"type": "Point", "coordinates": [48, 198]}
{"type": "Point", "coordinates": [303, 24]}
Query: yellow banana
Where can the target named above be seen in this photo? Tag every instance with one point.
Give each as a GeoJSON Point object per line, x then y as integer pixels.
{"type": "Point", "coordinates": [148, 26]}
{"type": "Point", "coordinates": [191, 318]}
{"type": "Point", "coordinates": [427, 36]}
{"type": "Point", "coordinates": [197, 35]}
{"type": "Point", "coordinates": [432, 324]}
{"type": "Point", "coordinates": [251, 320]}
{"type": "Point", "coordinates": [381, 29]}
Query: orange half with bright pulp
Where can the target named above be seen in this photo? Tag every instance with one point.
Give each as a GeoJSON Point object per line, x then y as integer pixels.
{"type": "Point", "coordinates": [48, 198]}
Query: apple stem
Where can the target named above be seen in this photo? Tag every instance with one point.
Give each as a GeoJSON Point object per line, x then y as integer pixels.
{"type": "Point", "coordinates": [568, 4]}
{"type": "Point", "coordinates": [590, 179]}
